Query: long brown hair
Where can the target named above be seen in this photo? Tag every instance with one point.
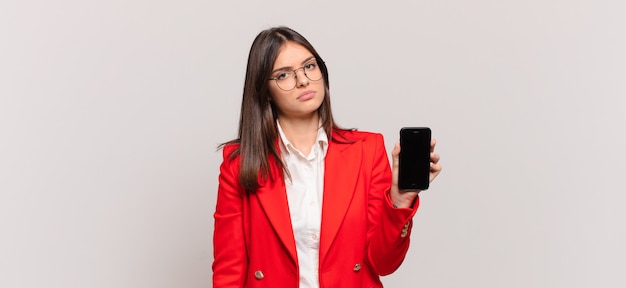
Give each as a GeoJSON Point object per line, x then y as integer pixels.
{"type": "Point", "coordinates": [257, 124]}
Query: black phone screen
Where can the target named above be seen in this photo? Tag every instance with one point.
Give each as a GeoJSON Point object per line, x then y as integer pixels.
{"type": "Point", "coordinates": [414, 165]}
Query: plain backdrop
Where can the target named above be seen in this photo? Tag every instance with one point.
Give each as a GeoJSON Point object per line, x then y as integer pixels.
{"type": "Point", "coordinates": [111, 113]}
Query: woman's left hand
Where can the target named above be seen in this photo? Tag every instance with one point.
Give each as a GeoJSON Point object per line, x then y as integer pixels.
{"type": "Point", "coordinates": [405, 198]}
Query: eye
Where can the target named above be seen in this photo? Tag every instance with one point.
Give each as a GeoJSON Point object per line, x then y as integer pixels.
{"type": "Point", "coordinates": [283, 75]}
{"type": "Point", "coordinates": [310, 66]}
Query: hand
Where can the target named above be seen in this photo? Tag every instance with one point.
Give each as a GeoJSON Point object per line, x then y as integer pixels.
{"type": "Point", "coordinates": [405, 198]}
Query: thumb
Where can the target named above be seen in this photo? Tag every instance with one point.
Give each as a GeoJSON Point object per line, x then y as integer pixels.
{"type": "Point", "coordinates": [395, 157]}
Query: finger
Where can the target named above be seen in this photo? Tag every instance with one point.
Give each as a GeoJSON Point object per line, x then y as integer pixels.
{"type": "Point", "coordinates": [396, 150]}
{"type": "Point", "coordinates": [395, 157]}
{"type": "Point", "coordinates": [433, 142]}
{"type": "Point", "coordinates": [435, 169]}
{"type": "Point", "coordinates": [434, 157]}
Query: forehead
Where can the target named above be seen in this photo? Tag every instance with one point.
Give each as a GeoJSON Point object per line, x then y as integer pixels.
{"type": "Point", "coordinates": [291, 54]}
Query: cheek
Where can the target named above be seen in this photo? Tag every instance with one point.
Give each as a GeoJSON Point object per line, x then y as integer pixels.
{"type": "Point", "coordinates": [276, 94]}
{"type": "Point", "coordinates": [278, 98]}
{"type": "Point", "coordinates": [322, 88]}
{"type": "Point", "coordinates": [272, 91]}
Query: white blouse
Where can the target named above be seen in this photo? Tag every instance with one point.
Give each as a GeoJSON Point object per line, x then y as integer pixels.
{"type": "Point", "coordinates": [304, 194]}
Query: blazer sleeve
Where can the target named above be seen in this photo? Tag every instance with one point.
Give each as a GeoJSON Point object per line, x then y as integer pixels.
{"type": "Point", "coordinates": [229, 249]}
{"type": "Point", "coordinates": [389, 228]}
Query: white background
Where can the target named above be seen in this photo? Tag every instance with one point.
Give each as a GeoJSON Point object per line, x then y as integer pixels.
{"type": "Point", "coordinates": [111, 113]}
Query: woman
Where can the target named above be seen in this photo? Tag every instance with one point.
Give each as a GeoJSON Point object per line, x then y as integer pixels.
{"type": "Point", "coordinates": [302, 202]}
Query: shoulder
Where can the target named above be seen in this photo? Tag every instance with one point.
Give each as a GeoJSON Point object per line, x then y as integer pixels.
{"type": "Point", "coordinates": [230, 152]}
{"type": "Point", "coordinates": [230, 147]}
{"type": "Point", "coordinates": [357, 136]}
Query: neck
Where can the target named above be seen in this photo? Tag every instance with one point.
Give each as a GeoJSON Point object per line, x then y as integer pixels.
{"type": "Point", "coordinates": [301, 132]}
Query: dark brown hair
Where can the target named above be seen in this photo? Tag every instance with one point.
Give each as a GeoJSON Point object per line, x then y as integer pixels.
{"type": "Point", "coordinates": [257, 124]}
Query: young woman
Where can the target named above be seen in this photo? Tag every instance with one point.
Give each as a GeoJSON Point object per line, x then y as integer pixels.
{"type": "Point", "coordinates": [302, 202]}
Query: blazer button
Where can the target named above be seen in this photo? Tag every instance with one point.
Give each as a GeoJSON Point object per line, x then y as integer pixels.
{"type": "Point", "coordinates": [259, 275]}
{"type": "Point", "coordinates": [405, 230]}
{"type": "Point", "coordinates": [357, 267]}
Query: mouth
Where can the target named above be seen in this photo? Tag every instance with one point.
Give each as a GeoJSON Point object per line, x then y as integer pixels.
{"type": "Point", "coordinates": [306, 95]}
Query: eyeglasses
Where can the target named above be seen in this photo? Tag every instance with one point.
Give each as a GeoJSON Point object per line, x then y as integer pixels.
{"type": "Point", "coordinates": [288, 80]}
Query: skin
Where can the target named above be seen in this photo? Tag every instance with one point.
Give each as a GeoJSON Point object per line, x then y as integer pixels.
{"type": "Point", "coordinates": [297, 109]}
{"type": "Point", "coordinates": [405, 198]}
{"type": "Point", "coordinates": [298, 117]}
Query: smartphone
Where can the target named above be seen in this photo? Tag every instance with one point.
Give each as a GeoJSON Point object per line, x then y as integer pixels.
{"type": "Point", "coordinates": [414, 165]}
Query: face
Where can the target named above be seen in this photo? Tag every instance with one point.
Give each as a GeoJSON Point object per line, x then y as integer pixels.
{"type": "Point", "coordinates": [307, 96]}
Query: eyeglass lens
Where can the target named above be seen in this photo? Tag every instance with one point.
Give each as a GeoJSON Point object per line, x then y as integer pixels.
{"type": "Point", "coordinates": [287, 80]}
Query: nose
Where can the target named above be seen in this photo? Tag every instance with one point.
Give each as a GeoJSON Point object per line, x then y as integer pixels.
{"type": "Point", "coordinates": [301, 80]}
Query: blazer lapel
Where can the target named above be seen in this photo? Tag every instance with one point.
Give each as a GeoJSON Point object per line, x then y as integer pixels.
{"type": "Point", "coordinates": [341, 171]}
{"type": "Point", "coordinates": [273, 198]}
{"type": "Point", "coordinates": [342, 166]}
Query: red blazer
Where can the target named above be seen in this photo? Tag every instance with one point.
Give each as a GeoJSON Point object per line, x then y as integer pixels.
{"type": "Point", "coordinates": [362, 236]}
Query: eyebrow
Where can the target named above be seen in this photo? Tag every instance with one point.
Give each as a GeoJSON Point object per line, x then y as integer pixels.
{"type": "Point", "coordinates": [289, 67]}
